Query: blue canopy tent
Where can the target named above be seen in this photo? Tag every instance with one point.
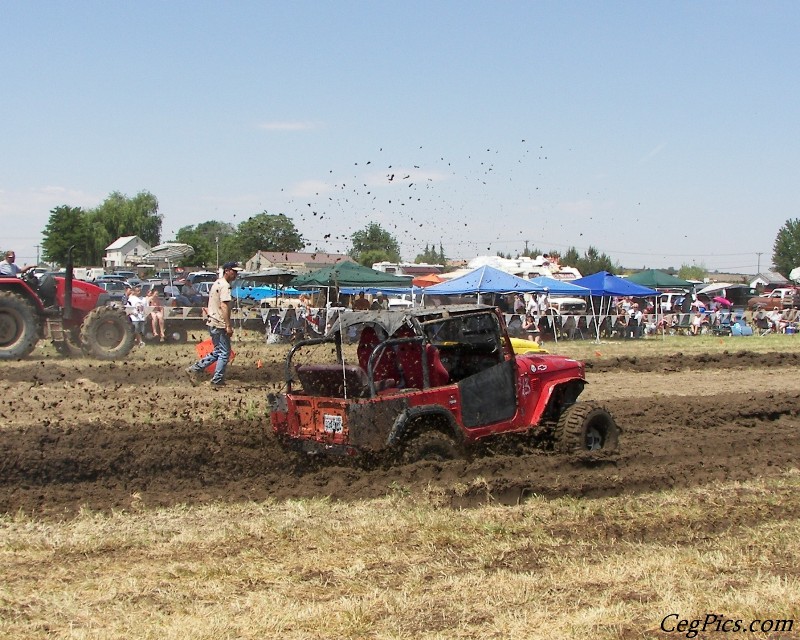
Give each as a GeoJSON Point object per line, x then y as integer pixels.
{"type": "Point", "coordinates": [559, 287]}
{"type": "Point", "coordinates": [482, 280]}
{"type": "Point", "coordinates": [606, 285]}
{"type": "Point", "coordinates": [488, 279]}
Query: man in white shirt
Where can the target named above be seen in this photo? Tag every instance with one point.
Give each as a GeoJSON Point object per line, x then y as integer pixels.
{"type": "Point", "coordinates": [8, 268]}
{"type": "Point", "coordinates": [220, 328]}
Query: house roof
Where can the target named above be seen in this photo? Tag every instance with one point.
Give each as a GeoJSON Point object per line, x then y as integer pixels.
{"type": "Point", "coordinates": [417, 270]}
{"type": "Point", "coordinates": [772, 277]}
{"type": "Point", "coordinates": [122, 242]}
{"type": "Point", "coordinates": [294, 257]}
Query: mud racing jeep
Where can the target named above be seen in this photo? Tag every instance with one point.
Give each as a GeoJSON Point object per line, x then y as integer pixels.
{"type": "Point", "coordinates": [427, 384]}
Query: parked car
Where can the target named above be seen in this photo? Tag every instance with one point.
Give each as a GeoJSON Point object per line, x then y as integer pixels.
{"type": "Point", "coordinates": [126, 275]}
{"type": "Point", "coordinates": [204, 287]}
{"type": "Point", "coordinates": [568, 306]}
{"type": "Point", "coordinates": [115, 290]}
{"type": "Point", "coordinates": [202, 276]}
{"type": "Point", "coordinates": [783, 298]}
{"type": "Point", "coordinates": [109, 277]}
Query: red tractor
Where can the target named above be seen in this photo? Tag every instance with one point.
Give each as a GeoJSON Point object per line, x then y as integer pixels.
{"type": "Point", "coordinates": [72, 313]}
{"type": "Point", "coordinates": [427, 384]}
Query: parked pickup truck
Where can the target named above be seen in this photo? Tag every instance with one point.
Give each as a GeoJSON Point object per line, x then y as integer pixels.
{"type": "Point", "coordinates": [783, 298]}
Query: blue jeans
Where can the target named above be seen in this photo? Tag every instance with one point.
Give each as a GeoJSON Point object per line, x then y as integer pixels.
{"type": "Point", "coordinates": [221, 355]}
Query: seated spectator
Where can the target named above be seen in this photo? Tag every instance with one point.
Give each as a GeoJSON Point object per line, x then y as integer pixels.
{"type": "Point", "coordinates": [697, 321]}
{"type": "Point", "coordinates": [153, 301]}
{"type": "Point", "coordinates": [361, 303]}
{"type": "Point", "coordinates": [190, 293]}
{"type": "Point", "coordinates": [776, 320]}
{"type": "Point", "coordinates": [531, 328]}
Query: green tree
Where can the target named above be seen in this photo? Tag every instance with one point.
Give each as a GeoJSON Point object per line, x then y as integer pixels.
{"type": "Point", "coordinates": [118, 216]}
{"type": "Point", "coordinates": [786, 250]}
{"type": "Point", "coordinates": [374, 244]}
{"type": "Point", "coordinates": [205, 238]}
{"type": "Point", "coordinates": [431, 255]}
{"type": "Point", "coordinates": [692, 271]}
{"type": "Point", "coordinates": [592, 261]}
{"type": "Point", "coordinates": [66, 227]}
{"type": "Point", "coordinates": [262, 232]}
{"type": "Point", "coordinates": [138, 216]}
{"type": "Point", "coordinates": [571, 258]}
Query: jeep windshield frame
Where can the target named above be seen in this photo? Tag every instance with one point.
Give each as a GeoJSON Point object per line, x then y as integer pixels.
{"type": "Point", "coordinates": [458, 329]}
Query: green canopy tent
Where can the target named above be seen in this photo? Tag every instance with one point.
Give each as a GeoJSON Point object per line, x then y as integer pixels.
{"type": "Point", "coordinates": [351, 275]}
{"type": "Point", "coordinates": [655, 279]}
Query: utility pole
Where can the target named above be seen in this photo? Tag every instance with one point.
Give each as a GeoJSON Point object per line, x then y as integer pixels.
{"type": "Point", "coordinates": [36, 246]}
{"type": "Point", "coordinates": [758, 253]}
{"type": "Point", "coordinates": [216, 240]}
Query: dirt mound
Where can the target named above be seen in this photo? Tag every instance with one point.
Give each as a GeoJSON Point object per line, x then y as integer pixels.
{"type": "Point", "coordinates": [109, 436]}
{"type": "Point", "coordinates": [682, 362]}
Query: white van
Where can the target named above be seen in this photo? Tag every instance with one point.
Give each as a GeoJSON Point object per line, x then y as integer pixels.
{"type": "Point", "coordinates": [87, 273]}
{"type": "Point", "coordinates": [568, 306]}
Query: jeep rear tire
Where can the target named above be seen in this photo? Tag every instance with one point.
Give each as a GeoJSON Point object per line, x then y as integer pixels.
{"type": "Point", "coordinates": [19, 326]}
{"type": "Point", "coordinates": [431, 445]}
{"type": "Point", "coordinates": [107, 334]}
{"type": "Point", "coordinates": [586, 427]}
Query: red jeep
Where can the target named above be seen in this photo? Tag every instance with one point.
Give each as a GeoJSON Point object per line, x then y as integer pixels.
{"type": "Point", "coordinates": [426, 383]}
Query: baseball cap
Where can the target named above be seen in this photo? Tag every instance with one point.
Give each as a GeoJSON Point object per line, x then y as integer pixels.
{"type": "Point", "coordinates": [231, 265]}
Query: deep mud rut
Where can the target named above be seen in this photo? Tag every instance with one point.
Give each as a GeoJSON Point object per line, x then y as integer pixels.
{"type": "Point", "coordinates": [110, 436]}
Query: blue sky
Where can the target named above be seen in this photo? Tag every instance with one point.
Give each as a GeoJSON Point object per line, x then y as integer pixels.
{"type": "Point", "coordinates": [661, 133]}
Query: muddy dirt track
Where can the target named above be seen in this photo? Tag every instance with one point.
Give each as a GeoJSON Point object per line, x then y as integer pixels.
{"type": "Point", "coordinates": [116, 436]}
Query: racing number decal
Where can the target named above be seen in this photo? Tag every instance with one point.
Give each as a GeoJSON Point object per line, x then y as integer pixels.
{"type": "Point", "coordinates": [524, 386]}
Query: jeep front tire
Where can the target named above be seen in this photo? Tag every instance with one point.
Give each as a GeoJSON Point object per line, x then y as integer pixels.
{"type": "Point", "coordinates": [586, 426]}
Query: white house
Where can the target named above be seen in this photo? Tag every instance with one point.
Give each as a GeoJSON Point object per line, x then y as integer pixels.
{"type": "Point", "coordinates": [125, 252]}
{"type": "Point", "coordinates": [769, 280]}
{"type": "Point", "coordinates": [298, 261]}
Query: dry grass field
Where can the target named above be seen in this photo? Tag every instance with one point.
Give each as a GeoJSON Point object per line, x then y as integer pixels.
{"type": "Point", "coordinates": [135, 506]}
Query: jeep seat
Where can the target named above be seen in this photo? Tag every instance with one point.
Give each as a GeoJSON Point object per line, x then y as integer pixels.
{"type": "Point", "coordinates": [331, 380]}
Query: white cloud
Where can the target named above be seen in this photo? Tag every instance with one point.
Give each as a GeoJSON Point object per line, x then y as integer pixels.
{"type": "Point", "coordinates": [653, 152]}
{"type": "Point", "coordinates": [577, 207]}
{"type": "Point", "coordinates": [309, 188]}
{"type": "Point", "coordinates": [288, 126]}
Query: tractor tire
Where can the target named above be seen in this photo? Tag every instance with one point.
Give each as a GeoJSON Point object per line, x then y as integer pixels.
{"type": "Point", "coordinates": [19, 326]}
{"type": "Point", "coordinates": [586, 427]}
{"type": "Point", "coordinates": [432, 446]}
{"type": "Point", "coordinates": [71, 347]}
{"type": "Point", "coordinates": [107, 334]}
